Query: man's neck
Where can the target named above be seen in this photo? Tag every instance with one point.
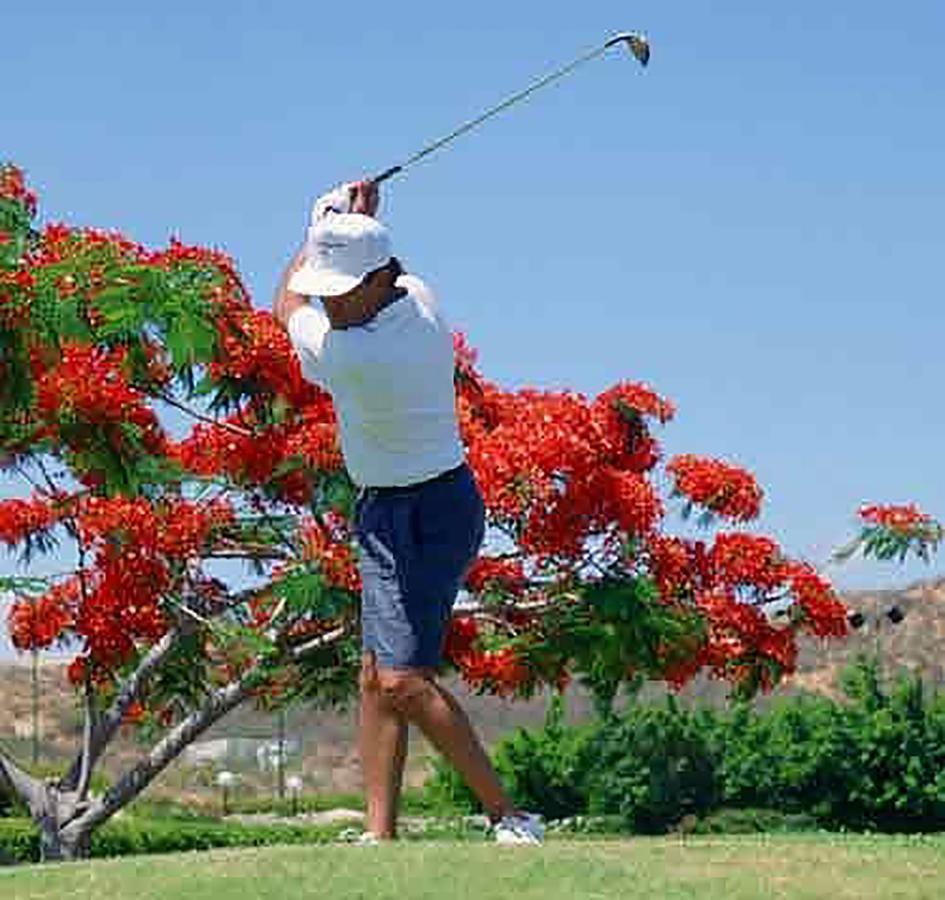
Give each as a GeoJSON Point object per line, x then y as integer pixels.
{"type": "Point", "coordinates": [354, 313]}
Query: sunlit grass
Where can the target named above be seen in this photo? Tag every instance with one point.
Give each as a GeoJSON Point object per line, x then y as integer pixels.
{"type": "Point", "coordinates": [732, 868]}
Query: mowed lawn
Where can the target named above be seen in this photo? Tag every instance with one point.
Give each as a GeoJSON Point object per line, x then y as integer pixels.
{"type": "Point", "coordinates": [726, 868]}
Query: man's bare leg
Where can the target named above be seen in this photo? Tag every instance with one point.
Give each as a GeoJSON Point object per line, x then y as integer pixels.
{"type": "Point", "coordinates": [383, 749]}
{"type": "Point", "coordinates": [417, 696]}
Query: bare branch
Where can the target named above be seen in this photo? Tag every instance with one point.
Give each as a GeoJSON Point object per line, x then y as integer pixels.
{"type": "Point", "coordinates": [21, 471]}
{"type": "Point", "coordinates": [85, 769]}
{"type": "Point", "coordinates": [532, 606]}
{"type": "Point", "coordinates": [133, 782]}
{"type": "Point", "coordinates": [106, 726]}
{"type": "Point", "coordinates": [499, 622]}
{"type": "Point", "coordinates": [246, 551]}
{"type": "Point", "coordinates": [323, 640]}
{"type": "Point", "coordinates": [18, 783]}
{"type": "Point", "coordinates": [54, 490]}
{"type": "Point", "coordinates": [243, 432]}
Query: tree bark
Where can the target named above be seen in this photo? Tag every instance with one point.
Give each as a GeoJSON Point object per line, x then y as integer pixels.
{"type": "Point", "coordinates": [63, 813]}
{"type": "Point", "coordinates": [66, 821]}
{"type": "Point", "coordinates": [133, 782]}
{"type": "Point", "coordinates": [104, 729]}
{"type": "Point", "coordinates": [18, 783]}
{"type": "Point", "coordinates": [46, 804]}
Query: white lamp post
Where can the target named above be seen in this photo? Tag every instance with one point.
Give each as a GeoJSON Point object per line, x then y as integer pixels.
{"type": "Point", "coordinates": [226, 780]}
{"type": "Point", "coordinates": [294, 784]}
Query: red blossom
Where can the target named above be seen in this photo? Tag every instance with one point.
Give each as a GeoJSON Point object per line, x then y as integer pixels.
{"type": "Point", "coordinates": [334, 554]}
{"type": "Point", "coordinates": [506, 575]}
{"type": "Point", "coordinates": [680, 566]}
{"type": "Point", "coordinates": [13, 187]}
{"type": "Point", "coordinates": [725, 489]}
{"type": "Point", "coordinates": [36, 623]}
{"type": "Point", "coordinates": [747, 559]}
{"type": "Point", "coordinates": [461, 636]}
{"type": "Point", "coordinates": [825, 614]}
{"type": "Point", "coordinates": [503, 670]}
{"type": "Point", "coordinates": [134, 713]}
{"type": "Point", "coordinates": [254, 347]}
{"type": "Point", "coordinates": [904, 519]}
{"type": "Point", "coordinates": [641, 398]}
{"type": "Point", "coordinates": [21, 518]}
{"type": "Point", "coordinates": [632, 502]}
{"type": "Point", "coordinates": [76, 670]}
{"type": "Point", "coordinates": [558, 473]}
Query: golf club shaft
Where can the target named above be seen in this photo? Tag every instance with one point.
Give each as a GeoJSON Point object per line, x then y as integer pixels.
{"type": "Point", "coordinates": [505, 104]}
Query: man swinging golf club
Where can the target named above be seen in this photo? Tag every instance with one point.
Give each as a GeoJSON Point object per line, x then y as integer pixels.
{"type": "Point", "coordinates": [378, 343]}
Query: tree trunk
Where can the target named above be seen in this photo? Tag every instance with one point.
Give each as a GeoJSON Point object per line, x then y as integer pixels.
{"type": "Point", "coordinates": [56, 845]}
{"type": "Point", "coordinates": [66, 820]}
{"type": "Point", "coordinates": [60, 808]}
{"type": "Point", "coordinates": [49, 808]}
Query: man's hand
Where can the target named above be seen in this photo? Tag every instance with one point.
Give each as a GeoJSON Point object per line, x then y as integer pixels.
{"type": "Point", "coordinates": [364, 197]}
{"type": "Point", "coordinates": [285, 301]}
{"type": "Point", "coordinates": [350, 197]}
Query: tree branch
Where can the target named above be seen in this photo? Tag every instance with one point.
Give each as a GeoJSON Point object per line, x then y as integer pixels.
{"type": "Point", "coordinates": [18, 783]}
{"type": "Point", "coordinates": [109, 722]}
{"type": "Point", "coordinates": [85, 769]}
{"type": "Point", "coordinates": [323, 640]}
{"type": "Point", "coordinates": [133, 782]}
{"type": "Point", "coordinates": [244, 432]}
{"type": "Point", "coordinates": [246, 551]}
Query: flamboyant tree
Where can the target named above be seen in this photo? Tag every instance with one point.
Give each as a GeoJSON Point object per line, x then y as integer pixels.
{"type": "Point", "coordinates": [889, 531]}
{"type": "Point", "coordinates": [99, 335]}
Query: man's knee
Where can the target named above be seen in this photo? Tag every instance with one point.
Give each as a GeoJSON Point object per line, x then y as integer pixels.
{"type": "Point", "coordinates": [405, 689]}
{"type": "Point", "coordinates": [368, 679]}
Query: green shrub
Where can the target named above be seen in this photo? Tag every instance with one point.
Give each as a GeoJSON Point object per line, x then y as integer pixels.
{"type": "Point", "coordinates": [896, 775]}
{"type": "Point", "coordinates": [19, 839]}
{"type": "Point", "coordinates": [446, 790]}
{"type": "Point", "coordinates": [542, 770]}
{"type": "Point", "coordinates": [873, 762]}
{"type": "Point", "coordinates": [793, 758]}
{"type": "Point", "coordinates": [11, 806]}
{"type": "Point", "coordinates": [546, 770]}
{"type": "Point", "coordinates": [876, 762]}
{"type": "Point", "coordinates": [751, 821]}
{"type": "Point", "coordinates": [652, 766]}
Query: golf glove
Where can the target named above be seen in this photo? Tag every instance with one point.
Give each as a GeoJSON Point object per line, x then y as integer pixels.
{"type": "Point", "coordinates": [337, 200]}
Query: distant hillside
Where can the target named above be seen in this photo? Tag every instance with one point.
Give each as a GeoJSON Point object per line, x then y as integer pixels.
{"type": "Point", "coordinates": [322, 745]}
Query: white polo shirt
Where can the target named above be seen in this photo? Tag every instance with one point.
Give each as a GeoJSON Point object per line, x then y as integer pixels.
{"type": "Point", "coordinates": [391, 382]}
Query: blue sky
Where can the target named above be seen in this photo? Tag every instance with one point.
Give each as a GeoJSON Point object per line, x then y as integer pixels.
{"type": "Point", "coordinates": [751, 226]}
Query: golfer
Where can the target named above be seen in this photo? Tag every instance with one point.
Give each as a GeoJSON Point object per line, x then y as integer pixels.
{"type": "Point", "coordinates": [378, 343]}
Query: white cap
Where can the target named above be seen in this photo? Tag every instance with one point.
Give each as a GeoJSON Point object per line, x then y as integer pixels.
{"type": "Point", "coordinates": [341, 249]}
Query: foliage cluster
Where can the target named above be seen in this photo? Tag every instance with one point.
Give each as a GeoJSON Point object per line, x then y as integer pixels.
{"type": "Point", "coordinates": [98, 335]}
{"type": "Point", "coordinates": [19, 838]}
{"type": "Point", "coordinates": [873, 762]}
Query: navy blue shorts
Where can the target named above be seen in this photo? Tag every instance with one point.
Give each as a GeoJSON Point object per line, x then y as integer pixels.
{"type": "Point", "coordinates": [416, 543]}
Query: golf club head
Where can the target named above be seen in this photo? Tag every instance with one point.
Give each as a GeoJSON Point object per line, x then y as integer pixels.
{"type": "Point", "coordinates": [637, 43]}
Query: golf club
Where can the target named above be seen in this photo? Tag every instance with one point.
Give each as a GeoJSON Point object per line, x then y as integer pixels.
{"type": "Point", "coordinates": [636, 43]}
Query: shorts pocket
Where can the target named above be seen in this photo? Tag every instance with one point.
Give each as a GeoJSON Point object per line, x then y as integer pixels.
{"type": "Point", "coordinates": [450, 524]}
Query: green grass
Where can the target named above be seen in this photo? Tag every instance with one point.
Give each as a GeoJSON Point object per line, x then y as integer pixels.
{"type": "Point", "coordinates": [708, 868]}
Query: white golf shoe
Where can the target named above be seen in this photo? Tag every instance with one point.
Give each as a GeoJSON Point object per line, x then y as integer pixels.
{"type": "Point", "coordinates": [519, 828]}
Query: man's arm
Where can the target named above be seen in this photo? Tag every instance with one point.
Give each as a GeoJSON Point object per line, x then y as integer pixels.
{"type": "Point", "coordinates": [285, 301]}
{"type": "Point", "coordinates": [359, 197]}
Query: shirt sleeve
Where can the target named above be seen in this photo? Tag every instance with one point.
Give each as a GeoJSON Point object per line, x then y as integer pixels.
{"type": "Point", "coordinates": [422, 291]}
{"type": "Point", "coordinates": [307, 327]}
